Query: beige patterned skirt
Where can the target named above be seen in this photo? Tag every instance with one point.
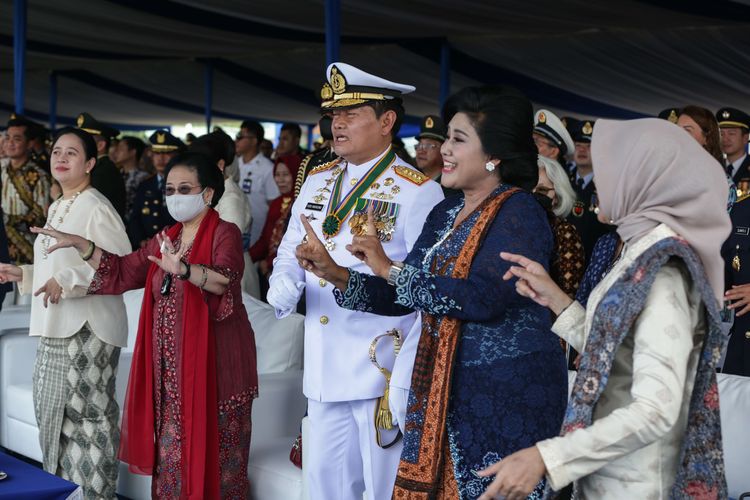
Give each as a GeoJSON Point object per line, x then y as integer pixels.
{"type": "Point", "coordinates": [76, 410]}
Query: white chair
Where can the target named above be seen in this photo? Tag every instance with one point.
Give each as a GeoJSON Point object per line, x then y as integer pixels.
{"type": "Point", "coordinates": [276, 413]}
{"type": "Point", "coordinates": [734, 400]}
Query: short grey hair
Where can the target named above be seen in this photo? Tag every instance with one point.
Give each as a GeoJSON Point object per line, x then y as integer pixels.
{"type": "Point", "coordinates": [566, 196]}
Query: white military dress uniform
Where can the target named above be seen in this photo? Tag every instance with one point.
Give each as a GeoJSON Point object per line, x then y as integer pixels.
{"type": "Point", "coordinates": [340, 382]}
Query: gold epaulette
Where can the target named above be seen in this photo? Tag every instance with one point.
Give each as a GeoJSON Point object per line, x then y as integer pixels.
{"type": "Point", "coordinates": [411, 175]}
{"type": "Point", "coordinates": [743, 197]}
{"type": "Point", "coordinates": [324, 167]}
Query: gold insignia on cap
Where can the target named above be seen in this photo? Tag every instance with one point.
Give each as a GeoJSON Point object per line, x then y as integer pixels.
{"type": "Point", "coordinates": [80, 121]}
{"type": "Point", "coordinates": [725, 114]}
{"type": "Point", "coordinates": [542, 118]}
{"type": "Point", "coordinates": [587, 128]}
{"type": "Point", "coordinates": [338, 82]}
{"type": "Point", "coordinates": [326, 92]}
{"type": "Point", "coordinates": [672, 116]}
{"type": "Point", "coordinates": [13, 116]}
{"type": "Point", "coordinates": [428, 123]}
{"type": "Point", "coordinates": [160, 138]}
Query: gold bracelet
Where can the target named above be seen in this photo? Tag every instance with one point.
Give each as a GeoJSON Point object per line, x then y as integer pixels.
{"type": "Point", "coordinates": [89, 251]}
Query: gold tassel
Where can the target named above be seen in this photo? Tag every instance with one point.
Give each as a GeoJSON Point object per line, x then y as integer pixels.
{"type": "Point", "coordinates": [383, 416]}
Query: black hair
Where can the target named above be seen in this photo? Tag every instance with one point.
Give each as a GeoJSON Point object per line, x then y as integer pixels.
{"type": "Point", "coordinates": [217, 146]}
{"type": "Point", "coordinates": [254, 128]}
{"type": "Point", "coordinates": [208, 175]}
{"type": "Point", "coordinates": [504, 121]}
{"type": "Point", "coordinates": [295, 129]}
{"type": "Point", "coordinates": [89, 144]}
{"type": "Point", "coordinates": [134, 143]}
{"type": "Point", "coordinates": [396, 105]}
{"type": "Point", "coordinates": [17, 122]}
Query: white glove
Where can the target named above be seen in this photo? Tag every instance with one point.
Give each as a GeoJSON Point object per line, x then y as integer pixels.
{"type": "Point", "coordinates": [283, 294]}
{"type": "Point", "coordinates": [398, 400]}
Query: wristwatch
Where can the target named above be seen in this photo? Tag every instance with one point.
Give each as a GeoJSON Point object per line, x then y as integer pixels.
{"type": "Point", "coordinates": [394, 271]}
{"type": "Point", "coordinates": [185, 276]}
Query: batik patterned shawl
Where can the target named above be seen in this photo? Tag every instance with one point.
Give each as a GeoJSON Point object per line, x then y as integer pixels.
{"type": "Point", "coordinates": [431, 378]}
{"type": "Point", "coordinates": [700, 474]}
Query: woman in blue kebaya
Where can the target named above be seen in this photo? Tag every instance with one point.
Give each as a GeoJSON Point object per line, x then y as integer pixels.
{"type": "Point", "coordinates": [489, 377]}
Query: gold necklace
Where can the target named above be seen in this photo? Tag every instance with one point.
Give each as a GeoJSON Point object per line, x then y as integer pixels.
{"type": "Point", "coordinates": [46, 240]}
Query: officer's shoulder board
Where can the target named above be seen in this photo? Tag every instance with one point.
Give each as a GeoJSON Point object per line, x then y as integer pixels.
{"type": "Point", "coordinates": [743, 197]}
{"type": "Point", "coordinates": [410, 174]}
{"type": "Point", "coordinates": [325, 166]}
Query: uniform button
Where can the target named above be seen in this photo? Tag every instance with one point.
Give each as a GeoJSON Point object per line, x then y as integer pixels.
{"type": "Point", "coordinates": [322, 282]}
{"type": "Point", "coordinates": [324, 320]}
{"type": "Point", "coordinates": [156, 214]}
{"type": "Point", "coordinates": [747, 335]}
{"type": "Point", "coordinates": [156, 227]}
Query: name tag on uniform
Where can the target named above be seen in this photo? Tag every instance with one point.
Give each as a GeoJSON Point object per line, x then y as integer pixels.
{"type": "Point", "coordinates": [744, 231]}
{"type": "Point", "coordinates": [314, 206]}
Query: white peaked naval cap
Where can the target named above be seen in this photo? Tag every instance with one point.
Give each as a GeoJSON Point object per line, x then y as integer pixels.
{"type": "Point", "coordinates": [550, 126]}
{"type": "Point", "coordinates": [347, 86]}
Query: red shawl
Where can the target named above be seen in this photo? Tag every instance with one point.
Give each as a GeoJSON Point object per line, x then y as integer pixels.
{"type": "Point", "coordinates": [200, 440]}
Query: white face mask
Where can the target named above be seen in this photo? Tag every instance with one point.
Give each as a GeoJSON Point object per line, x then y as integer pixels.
{"type": "Point", "coordinates": [185, 207]}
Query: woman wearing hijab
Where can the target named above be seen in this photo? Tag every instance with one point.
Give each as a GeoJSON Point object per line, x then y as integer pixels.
{"type": "Point", "coordinates": [484, 352]}
{"type": "Point", "coordinates": [193, 379]}
{"type": "Point", "coordinates": [643, 418]}
{"type": "Point", "coordinates": [264, 250]}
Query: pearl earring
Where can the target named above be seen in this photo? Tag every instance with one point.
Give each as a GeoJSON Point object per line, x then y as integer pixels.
{"type": "Point", "coordinates": [489, 166]}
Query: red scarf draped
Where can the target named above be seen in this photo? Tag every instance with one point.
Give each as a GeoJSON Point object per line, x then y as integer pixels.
{"type": "Point", "coordinates": [198, 391]}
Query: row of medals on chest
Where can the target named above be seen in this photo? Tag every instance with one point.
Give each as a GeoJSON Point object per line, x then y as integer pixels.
{"type": "Point", "coordinates": [384, 224]}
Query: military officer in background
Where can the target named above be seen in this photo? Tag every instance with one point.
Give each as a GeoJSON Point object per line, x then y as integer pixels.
{"type": "Point", "coordinates": [340, 382]}
{"type": "Point", "coordinates": [586, 208]}
{"type": "Point", "coordinates": [322, 155]}
{"type": "Point", "coordinates": [734, 126]}
{"type": "Point", "coordinates": [149, 214]}
{"type": "Point", "coordinates": [105, 177]}
{"type": "Point", "coordinates": [736, 253]}
{"type": "Point", "coordinates": [551, 137]}
{"type": "Point", "coordinates": [669, 114]}
{"type": "Point", "coordinates": [38, 135]}
{"type": "Point", "coordinates": [571, 125]}
{"type": "Point", "coordinates": [432, 133]}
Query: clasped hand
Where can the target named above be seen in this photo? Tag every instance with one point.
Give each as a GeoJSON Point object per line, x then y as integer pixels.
{"type": "Point", "coordinates": [313, 256]}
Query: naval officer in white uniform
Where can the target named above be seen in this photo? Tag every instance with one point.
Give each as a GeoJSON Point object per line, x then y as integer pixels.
{"type": "Point", "coordinates": [340, 382]}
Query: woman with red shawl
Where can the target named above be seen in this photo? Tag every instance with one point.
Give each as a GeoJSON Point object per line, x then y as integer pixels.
{"type": "Point", "coordinates": [193, 378]}
{"type": "Point", "coordinates": [264, 250]}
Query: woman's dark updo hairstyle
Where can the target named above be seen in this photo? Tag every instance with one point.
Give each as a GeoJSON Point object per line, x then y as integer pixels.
{"type": "Point", "coordinates": [89, 145]}
{"type": "Point", "coordinates": [217, 146]}
{"type": "Point", "coordinates": [504, 120]}
{"type": "Point", "coordinates": [208, 175]}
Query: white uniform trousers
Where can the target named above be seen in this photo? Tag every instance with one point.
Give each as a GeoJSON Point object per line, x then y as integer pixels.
{"type": "Point", "coordinates": [344, 456]}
